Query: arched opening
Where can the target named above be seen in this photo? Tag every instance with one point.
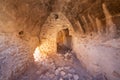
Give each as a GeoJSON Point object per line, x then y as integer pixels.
{"type": "Point", "coordinates": [64, 40]}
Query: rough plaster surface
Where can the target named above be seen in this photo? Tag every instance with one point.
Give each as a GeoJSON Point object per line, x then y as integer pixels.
{"type": "Point", "coordinates": [15, 54]}
{"type": "Point", "coordinates": [99, 57]}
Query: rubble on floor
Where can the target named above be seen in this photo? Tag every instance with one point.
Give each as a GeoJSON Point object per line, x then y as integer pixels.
{"type": "Point", "coordinates": [57, 67]}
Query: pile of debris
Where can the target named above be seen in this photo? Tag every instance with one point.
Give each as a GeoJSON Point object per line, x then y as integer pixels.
{"type": "Point", "coordinates": [58, 67]}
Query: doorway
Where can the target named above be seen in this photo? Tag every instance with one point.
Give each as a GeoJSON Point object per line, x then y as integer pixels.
{"type": "Point", "coordinates": [64, 41]}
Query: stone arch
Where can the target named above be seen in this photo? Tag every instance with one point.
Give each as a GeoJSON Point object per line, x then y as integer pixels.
{"type": "Point", "coordinates": [50, 30]}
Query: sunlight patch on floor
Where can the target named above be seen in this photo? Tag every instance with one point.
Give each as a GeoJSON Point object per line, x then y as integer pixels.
{"type": "Point", "coordinates": [38, 56]}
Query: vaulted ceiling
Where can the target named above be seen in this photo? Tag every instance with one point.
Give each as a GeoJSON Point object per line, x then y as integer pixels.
{"type": "Point", "coordinates": [30, 15]}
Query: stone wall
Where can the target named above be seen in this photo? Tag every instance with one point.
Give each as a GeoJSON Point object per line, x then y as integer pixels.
{"type": "Point", "coordinates": [97, 45]}
{"type": "Point", "coordinates": [99, 56]}
{"type": "Point", "coordinates": [55, 23]}
{"type": "Point", "coordinates": [16, 54]}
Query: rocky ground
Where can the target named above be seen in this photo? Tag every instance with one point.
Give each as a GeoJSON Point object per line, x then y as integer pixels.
{"type": "Point", "coordinates": [58, 67]}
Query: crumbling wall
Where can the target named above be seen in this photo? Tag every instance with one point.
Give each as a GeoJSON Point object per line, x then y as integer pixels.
{"type": "Point", "coordinates": [98, 50]}
{"type": "Point", "coordinates": [99, 57]}
{"type": "Point", "coordinates": [55, 23]}
{"type": "Point", "coordinates": [16, 54]}
{"type": "Point", "coordinates": [20, 23]}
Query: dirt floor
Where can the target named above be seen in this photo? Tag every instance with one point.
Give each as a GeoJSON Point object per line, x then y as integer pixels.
{"type": "Point", "coordinates": [58, 67]}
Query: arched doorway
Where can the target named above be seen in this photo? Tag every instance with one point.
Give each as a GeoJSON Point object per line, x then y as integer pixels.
{"type": "Point", "coordinates": [64, 41]}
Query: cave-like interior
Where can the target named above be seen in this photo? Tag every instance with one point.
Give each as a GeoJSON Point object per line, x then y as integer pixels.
{"type": "Point", "coordinates": [59, 39]}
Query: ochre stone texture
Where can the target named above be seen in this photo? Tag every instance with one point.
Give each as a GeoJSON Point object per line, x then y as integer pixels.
{"type": "Point", "coordinates": [93, 24]}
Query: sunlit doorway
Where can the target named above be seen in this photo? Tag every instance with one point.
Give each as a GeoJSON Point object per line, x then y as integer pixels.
{"type": "Point", "coordinates": [64, 41]}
